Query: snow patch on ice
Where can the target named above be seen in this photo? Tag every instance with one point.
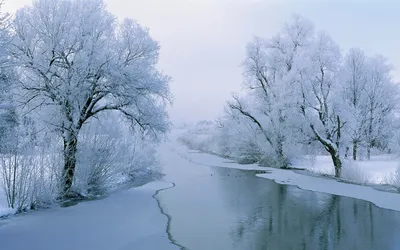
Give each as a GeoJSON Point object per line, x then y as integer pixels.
{"type": "Point", "coordinates": [374, 171]}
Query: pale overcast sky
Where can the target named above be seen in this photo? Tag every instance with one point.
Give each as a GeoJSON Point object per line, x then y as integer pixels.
{"type": "Point", "coordinates": [203, 41]}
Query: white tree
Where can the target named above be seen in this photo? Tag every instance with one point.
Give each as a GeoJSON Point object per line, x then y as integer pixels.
{"type": "Point", "coordinates": [76, 61]}
{"type": "Point", "coordinates": [370, 96]}
{"type": "Point", "coordinates": [8, 116]}
{"type": "Point", "coordinates": [318, 87]}
{"type": "Point", "coordinates": [241, 133]}
{"type": "Point", "coordinates": [268, 64]}
{"type": "Point", "coordinates": [354, 81]}
{"type": "Point", "coordinates": [381, 101]}
{"type": "Point", "coordinates": [7, 69]}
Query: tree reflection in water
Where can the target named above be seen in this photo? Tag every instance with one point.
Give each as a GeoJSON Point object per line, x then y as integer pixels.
{"type": "Point", "coordinates": [273, 216]}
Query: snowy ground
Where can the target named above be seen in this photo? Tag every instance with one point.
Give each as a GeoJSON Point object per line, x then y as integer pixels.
{"type": "Point", "coordinates": [129, 219]}
{"type": "Point", "coordinates": [4, 210]}
{"type": "Point", "coordinates": [375, 171]}
{"type": "Point", "coordinates": [372, 172]}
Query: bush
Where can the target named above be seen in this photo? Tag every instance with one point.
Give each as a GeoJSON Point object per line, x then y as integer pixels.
{"type": "Point", "coordinates": [143, 162]}
{"type": "Point", "coordinates": [394, 179]}
{"type": "Point", "coordinates": [352, 172]}
{"type": "Point", "coordinates": [109, 155]}
{"type": "Point", "coordinates": [97, 162]}
{"type": "Point", "coordinates": [29, 180]}
{"type": "Point", "coordinates": [29, 166]}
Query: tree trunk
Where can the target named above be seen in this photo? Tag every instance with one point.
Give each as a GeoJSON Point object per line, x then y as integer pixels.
{"type": "Point", "coordinates": [337, 163]}
{"type": "Point", "coordinates": [282, 161]}
{"type": "Point", "coordinates": [70, 149]}
{"type": "Point", "coordinates": [368, 152]}
{"type": "Point", "coordinates": [355, 150]}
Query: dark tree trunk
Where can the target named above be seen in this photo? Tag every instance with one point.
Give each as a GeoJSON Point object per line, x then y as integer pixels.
{"type": "Point", "coordinates": [337, 163]}
{"type": "Point", "coordinates": [70, 149]}
{"type": "Point", "coordinates": [335, 153]}
{"type": "Point", "coordinates": [368, 152]}
{"type": "Point", "coordinates": [282, 161]}
{"type": "Point", "coordinates": [355, 144]}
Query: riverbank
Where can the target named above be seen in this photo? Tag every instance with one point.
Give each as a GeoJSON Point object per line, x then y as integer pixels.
{"type": "Point", "coordinates": [120, 183]}
{"type": "Point", "coordinates": [129, 219]}
{"type": "Point", "coordinates": [300, 178]}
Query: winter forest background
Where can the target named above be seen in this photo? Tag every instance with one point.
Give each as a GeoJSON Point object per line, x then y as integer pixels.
{"type": "Point", "coordinates": [305, 102]}
{"type": "Point", "coordinates": [83, 105]}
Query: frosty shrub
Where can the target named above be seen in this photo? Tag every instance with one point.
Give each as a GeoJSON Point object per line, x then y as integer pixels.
{"type": "Point", "coordinates": [18, 180]}
{"type": "Point", "coordinates": [393, 179]}
{"type": "Point", "coordinates": [201, 137]}
{"type": "Point", "coordinates": [29, 164]}
{"type": "Point", "coordinates": [109, 154]}
{"type": "Point", "coordinates": [143, 163]}
{"type": "Point", "coordinates": [98, 159]}
{"type": "Point", "coordinates": [29, 180]}
{"type": "Point", "coordinates": [354, 173]}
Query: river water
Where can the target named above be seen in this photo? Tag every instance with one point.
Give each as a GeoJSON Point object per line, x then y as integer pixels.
{"type": "Point", "coordinates": [220, 208]}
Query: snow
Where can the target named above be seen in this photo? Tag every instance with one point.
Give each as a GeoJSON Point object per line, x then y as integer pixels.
{"type": "Point", "coordinates": [5, 211]}
{"type": "Point", "coordinates": [381, 199]}
{"type": "Point", "coordinates": [377, 170]}
{"type": "Point", "coordinates": [129, 219]}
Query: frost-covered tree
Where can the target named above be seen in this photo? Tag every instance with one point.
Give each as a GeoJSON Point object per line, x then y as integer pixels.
{"type": "Point", "coordinates": [4, 37]}
{"type": "Point", "coordinates": [318, 86]}
{"type": "Point", "coordinates": [354, 81]}
{"type": "Point", "coordinates": [77, 61]}
{"type": "Point", "coordinates": [268, 64]}
{"type": "Point", "coordinates": [242, 136]}
{"type": "Point", "coordinates": [8, 115]}
{"type": "Point", "coordinates": [369, 95]}
{"type": "Point", "coordinates": [381, 101]}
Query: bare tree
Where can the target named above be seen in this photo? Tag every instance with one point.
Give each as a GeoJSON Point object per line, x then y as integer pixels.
{"type": "Point", "coordinates": [77, 61]}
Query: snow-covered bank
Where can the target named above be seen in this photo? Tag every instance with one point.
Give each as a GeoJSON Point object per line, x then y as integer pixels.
{"type": "Point", "coordinates": [376, 171]}
{"type": "Point", "coordinates": [5, 211]}
{"type": "Point", "coordinates": [381, 169]}
{"type": "Point", "coordinates": [382, 199]}
{"type": "Point", "coordinates": [128, 219]}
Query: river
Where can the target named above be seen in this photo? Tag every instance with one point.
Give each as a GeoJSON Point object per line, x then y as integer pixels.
{"type": "Point", "coordinates": [221, 208]}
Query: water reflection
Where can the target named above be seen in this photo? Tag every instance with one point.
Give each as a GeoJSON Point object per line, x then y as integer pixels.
{"type": "Point", "coordinates": [233, 209]}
